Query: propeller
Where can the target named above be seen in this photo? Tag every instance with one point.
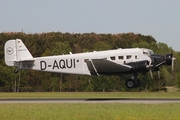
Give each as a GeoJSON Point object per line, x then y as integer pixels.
{"type": "Point", "coordinates": [150, 67]}
{"type": "Point", "coordinates": [159, 76]}
{"type": "Point", "coordinates": [170, 60]}
{"type": "Point", "coordinates": [157, 60]}
{"type": "Point", "coordinates": [150, 71]}
{"type": "Point", "coordinates": [173, 59]}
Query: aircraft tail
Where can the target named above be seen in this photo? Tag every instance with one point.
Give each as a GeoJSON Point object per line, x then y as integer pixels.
{"type": "Point", "coordinates": [14, 51]}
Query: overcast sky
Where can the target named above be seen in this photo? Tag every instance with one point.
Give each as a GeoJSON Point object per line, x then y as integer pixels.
{"type": "Point", "coordinates": [158, 18]}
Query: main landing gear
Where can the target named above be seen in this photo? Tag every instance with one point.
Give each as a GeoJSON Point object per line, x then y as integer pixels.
{"type": "Point", "coordinates": [134, 82]}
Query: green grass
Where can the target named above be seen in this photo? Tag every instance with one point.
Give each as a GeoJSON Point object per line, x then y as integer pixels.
{"type": "Point", "coordinates": [90, 95]}
{"type": "Point", "coordinates": [90, 111]}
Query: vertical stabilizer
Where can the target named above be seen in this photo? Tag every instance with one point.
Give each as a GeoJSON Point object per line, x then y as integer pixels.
{"type": "Point", "coordinates": [15, 51]}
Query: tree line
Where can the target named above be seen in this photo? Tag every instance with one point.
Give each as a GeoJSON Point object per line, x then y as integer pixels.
{"type": "Point", "coordinates": [57, 43]}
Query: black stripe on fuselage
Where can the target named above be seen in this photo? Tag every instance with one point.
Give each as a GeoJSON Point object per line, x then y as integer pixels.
{"type": "Point", "coordinates": [91, 67]}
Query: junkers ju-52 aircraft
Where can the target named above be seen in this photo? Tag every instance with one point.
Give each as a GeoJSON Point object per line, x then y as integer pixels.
{"type": "Point", "coordinates": [97, 63]}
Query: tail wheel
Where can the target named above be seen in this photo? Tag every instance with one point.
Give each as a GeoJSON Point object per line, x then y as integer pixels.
{"type": "Point", "coordinates": [130, 83]}
{"type": "Point", "coordinates": [16, 71]}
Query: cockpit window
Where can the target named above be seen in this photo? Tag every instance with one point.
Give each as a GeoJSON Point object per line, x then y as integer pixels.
{"type": "Point", "coordinates": [145, 52]}
{"type": "Point", "coordinates": [148, 51]}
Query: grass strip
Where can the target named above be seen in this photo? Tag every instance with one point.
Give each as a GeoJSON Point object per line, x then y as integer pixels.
{"type": "Point", "coordinates": [102, 111]}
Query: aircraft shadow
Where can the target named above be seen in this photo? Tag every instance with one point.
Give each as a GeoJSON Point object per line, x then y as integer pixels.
{"type": "Point", "coordinates": [134, 99]}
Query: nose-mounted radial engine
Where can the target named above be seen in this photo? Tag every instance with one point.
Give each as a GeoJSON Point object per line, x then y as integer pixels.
{"type": "Point", "coordinates": [153, 64]}
{"type": "Point", "coordinates": [158, 60]}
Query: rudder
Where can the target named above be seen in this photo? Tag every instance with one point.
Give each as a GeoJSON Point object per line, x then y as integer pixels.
{"type": "Point", "coordinates": [15, 51]}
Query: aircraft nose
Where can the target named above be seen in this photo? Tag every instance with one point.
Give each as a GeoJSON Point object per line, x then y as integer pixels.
{"type": "Point", "coordinates": [157, 59]}
{"type": "Point", "coordinates": [169, 59]}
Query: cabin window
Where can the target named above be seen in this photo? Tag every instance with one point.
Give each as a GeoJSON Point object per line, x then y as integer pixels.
{"type": "Point", "coordinates": [128, 57]}
{"type": "Point", "coordinates": [145, 53]}
{"type": "Point", "coordinates": [113, 58]}
{"type": "Point", "coordinates": [121, 57]}
{"type": "Point", "coordinates": [136, 57]}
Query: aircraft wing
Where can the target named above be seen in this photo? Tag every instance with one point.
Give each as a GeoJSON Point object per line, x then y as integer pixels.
{"type": "Point", "coordinates": [106, 67]}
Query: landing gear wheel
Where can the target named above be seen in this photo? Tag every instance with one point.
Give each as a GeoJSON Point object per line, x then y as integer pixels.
{"type": "Point", "coordinates": [137, 83]}
{"type": "Point", "coordinates": [130, 83]}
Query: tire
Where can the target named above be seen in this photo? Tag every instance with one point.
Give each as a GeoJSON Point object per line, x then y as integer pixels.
{"type": "Point", "coordinates": [130, 83]}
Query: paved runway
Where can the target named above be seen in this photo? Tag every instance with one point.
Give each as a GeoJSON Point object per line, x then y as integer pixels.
{"type": "Point", "coordinates": [94, 100]}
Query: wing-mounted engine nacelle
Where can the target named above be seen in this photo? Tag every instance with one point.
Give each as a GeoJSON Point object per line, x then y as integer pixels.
{"type": "Point", "coordinates": [140, 66]}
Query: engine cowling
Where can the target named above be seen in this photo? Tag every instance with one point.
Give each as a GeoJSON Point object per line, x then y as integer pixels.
{"type": "Point", "coordinates": [158, 60]}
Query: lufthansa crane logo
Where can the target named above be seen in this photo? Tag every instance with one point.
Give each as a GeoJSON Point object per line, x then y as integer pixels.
{"type": "Point", "coordinates": [9, 51]}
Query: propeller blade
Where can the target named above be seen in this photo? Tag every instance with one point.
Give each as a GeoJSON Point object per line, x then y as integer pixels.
{"type": "Point", "coordinates": [173, 59]}
{"type": "Point", "coordinates": [150, 71]}
{"type": "Point", "coordinates": [159, 76]}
